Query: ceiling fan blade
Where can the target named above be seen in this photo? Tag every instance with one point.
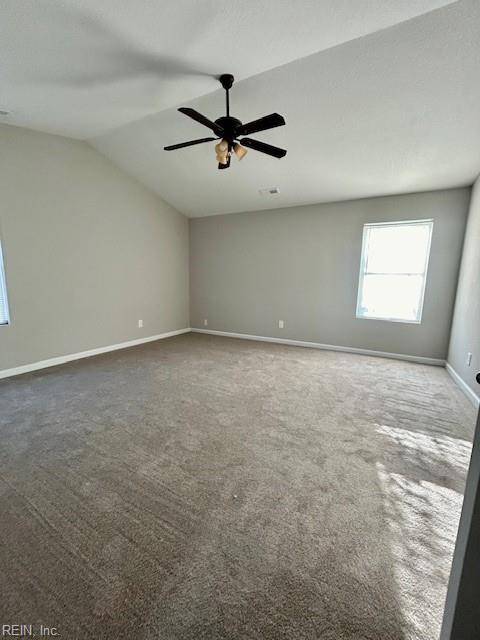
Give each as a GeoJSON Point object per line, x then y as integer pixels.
{"type": "Point", "coordinates": [263, 147]}
{"type": "Point", "coordinates": [172, 147]}
{"type": "Point", "coordinates": [224, 166]}
{"type": "Point", "coordinates": [262, 124]}
{"type": "Point", "coordinates": [198, 117]}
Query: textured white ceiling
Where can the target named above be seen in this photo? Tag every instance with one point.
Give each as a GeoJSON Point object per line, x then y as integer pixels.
{"type": "Point", "coordinates": [380, 96]}
{"type": "Point", "coordinates": [82, 67]}
{"type": "Point", "coordinates": [396, 111]}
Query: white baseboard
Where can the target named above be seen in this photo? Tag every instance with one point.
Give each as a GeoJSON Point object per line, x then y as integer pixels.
{"type": "Point", "coordinates": [52, 362]}
{"type": "Point", "coordinates": [328, 347]}
{"type": "Point", "coordinates": [471, 395]}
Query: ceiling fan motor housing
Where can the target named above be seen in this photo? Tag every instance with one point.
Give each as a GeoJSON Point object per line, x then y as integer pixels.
{"type": "Point", "coordinates": [230, 126]}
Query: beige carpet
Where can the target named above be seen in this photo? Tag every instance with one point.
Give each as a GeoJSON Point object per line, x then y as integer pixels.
{"type": "Point", "coordinates": [208, 488]}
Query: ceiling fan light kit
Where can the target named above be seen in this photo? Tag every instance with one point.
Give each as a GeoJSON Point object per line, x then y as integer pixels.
{"type": "Point", "coordinates": [228, 129]}
{"type": "Point", "coordinates": [222, 151]}
{"type": "Point", "coordinates": [239, 151]}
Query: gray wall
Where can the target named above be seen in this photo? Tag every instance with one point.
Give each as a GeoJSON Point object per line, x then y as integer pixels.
{"type": "Point", "coordinates": [466, 319]}
{"type": "Point", "coordinates": [301, 265]}
{"type": "Point", "coordinates": [88, 251]}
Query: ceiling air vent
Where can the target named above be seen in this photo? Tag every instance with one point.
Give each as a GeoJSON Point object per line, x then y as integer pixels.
{"type": "Point", "coordinates": [271, 191]}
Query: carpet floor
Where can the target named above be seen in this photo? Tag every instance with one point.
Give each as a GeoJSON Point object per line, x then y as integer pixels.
{"type": "Point", "coordinates": [210, 488]}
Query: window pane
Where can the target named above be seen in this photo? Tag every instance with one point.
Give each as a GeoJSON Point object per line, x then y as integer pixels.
{"type": "Point", "coordinates": [398, 248]}
{"type": "Point", "coordinates": [3, 294]}
{"type": "Point", "coordinates": [394, 297]}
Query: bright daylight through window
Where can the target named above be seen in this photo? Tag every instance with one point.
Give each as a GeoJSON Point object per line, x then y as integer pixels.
{"type": "Point", "coordinates": [3, 293]}
{"type": "Point", "coordinates": [393, 270]}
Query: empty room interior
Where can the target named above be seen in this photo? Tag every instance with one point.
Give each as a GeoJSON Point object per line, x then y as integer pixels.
{"type": "Point", "coordinates": [239, 319]}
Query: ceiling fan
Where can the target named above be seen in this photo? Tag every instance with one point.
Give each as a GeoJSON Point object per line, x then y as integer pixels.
{"type": "Point", "coordinates": [228, 129]}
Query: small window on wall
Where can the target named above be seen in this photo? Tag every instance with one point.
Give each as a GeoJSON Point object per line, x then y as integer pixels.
{"type": "Point", "coordinates": [393, 270]}
{"type": "Point", "coordinates": [4, 319]}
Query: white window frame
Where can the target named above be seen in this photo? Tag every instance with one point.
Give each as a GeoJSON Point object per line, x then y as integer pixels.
{"type": "Point", "coordinates": [3, 288]}
{"type": "Point", "coordinates": [363, 260]}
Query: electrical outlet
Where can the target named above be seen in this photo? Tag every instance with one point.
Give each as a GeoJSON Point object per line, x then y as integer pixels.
{"type": "Point", "coordinates": [205, 323]}
{"type": "Point", "coordinates": [281, 324]}
{"type": "Point", "coordinates": [140, 324]}
{"type": "Point", "coordinates": [469, 359]}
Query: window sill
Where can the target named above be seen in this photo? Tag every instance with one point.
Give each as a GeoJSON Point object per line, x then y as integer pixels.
{"type": "Point", "coordinates": [388, 319]}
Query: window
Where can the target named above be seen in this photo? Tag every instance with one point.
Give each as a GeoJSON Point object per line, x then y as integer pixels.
{"type": "Point", "coordinates": [3, 293]}
{"type": "Point", "coordinates": [393, 270]}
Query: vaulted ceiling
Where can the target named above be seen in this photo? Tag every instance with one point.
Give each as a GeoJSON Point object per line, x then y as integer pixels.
{"type": "Point", "coordinates": [379, 96]}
